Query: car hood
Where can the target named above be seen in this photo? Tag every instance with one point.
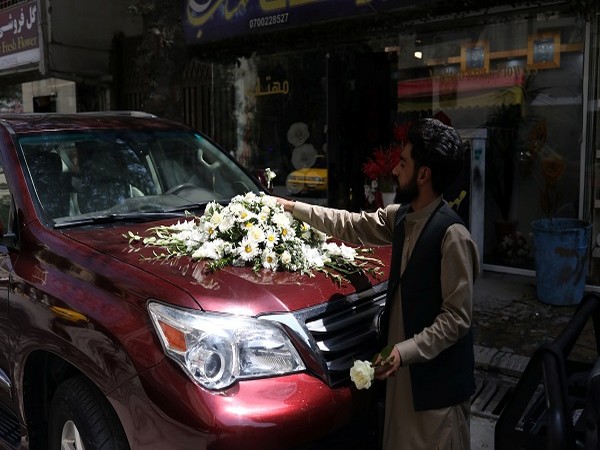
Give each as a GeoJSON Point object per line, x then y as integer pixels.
{"type": "Point", "coordinates": [232, 289]}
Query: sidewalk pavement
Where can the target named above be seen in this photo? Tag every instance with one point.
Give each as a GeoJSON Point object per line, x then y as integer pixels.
{"type": "Point", "coordinates": [509, 325]}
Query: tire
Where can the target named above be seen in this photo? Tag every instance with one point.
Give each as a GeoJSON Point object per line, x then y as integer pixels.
{"type": "Point", "coordinates": [81, 418]}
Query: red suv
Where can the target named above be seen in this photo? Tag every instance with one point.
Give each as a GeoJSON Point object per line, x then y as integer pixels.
{"type": "Point", "coordinates": [88, 356]}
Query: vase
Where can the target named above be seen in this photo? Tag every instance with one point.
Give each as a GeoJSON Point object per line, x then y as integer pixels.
{"type": "Point", "coordinates": [388, 198]}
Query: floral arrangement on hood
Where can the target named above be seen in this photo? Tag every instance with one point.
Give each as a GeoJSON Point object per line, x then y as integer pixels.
{"type": "Point", "coordinates": [254, 230]}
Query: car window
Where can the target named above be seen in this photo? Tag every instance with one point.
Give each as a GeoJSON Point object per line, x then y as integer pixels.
{"type": "Point", "coordinates": [84, 174]}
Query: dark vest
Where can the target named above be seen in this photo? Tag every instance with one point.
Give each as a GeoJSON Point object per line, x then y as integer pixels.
{"type": "Point", "coordinates": [448, 379]}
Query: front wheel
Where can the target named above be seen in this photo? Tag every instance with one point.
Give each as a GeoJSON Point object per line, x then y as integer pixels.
{"type": "Point", "coordinates": [81, 418]}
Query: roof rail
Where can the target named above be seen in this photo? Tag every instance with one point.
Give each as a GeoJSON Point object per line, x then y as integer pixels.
{"type": "Point", "coordinates": [119, 112]}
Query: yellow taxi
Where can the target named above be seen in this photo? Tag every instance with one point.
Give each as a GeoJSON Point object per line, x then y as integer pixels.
{"type": "Point", "coordinates": [308, 179]}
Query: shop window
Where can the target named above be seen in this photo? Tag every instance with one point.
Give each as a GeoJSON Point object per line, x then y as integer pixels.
{"type": "Point", "coordinates": [280, 111]}
{"type": "Point", "coordinates": [44, 104]}
{"type": "Point", "coordinates": [521, 82]}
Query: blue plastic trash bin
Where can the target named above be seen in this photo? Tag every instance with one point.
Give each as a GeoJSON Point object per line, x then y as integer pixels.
{"type": "Point", "coordinates": [561, 259]}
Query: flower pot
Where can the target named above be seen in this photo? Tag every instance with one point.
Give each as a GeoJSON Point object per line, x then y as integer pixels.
{"type": "Point", "coordinates": [561, 259]}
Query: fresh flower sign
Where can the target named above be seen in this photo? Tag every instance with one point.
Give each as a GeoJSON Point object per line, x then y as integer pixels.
{"type": "Point", "coordinates": [254, 230]}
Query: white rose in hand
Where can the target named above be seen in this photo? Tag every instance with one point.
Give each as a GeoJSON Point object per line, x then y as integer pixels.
{"type": "Point", "coordinates": [362, 374]}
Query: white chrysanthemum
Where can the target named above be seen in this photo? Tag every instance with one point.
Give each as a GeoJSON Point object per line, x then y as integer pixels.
{"type": "Point", "coordinates": [256, 234]}
{"type": "Point", "coordinates": [319, 235]}
{"type": "Point", "coordinates": [235, 209]}
{"type": "Point", "coordinates": [348, 253]}
{"type": "Point", "coordinates": [287, 233]}
{"type": "Point", "coordinates": [211, 208]}
{"type": "Point", "coordinates": [313, 256]}
{"type": "Point", "coordinates": [181, 226]}
{"type": "Point", "coordinates": [282, 220]}
{"type": "Point", "coordinates": [226, 224]}
{"type": "Point", "coordinates": [216, 219]}
{"type": "Point", "coordinates": [270, 202]}
{"type": "Point", "coordinates": [271, 237]}
{"type": "Point", "coordinates": [269, 259]}
{"type": "Point", "coordinates": [209, 231]}
{"type": "Point", "coordinates": [191, 238]}
{"type": "Point", "coordinates": [245, 215]}
{"type": "Point", "coordinates": [331, 248]}
{"type": "Point", "coordinates": [210, 249]}
{"type": "Point", "coordinates": [248, 249]}
{"type": "Point", "coordinates": [264, 214]}
{"type": "Point", "coordinates": [250, 197]}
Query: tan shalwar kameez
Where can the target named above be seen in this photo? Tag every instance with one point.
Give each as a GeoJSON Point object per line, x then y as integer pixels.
{"type": "Point", "coordinates": [446, 428]}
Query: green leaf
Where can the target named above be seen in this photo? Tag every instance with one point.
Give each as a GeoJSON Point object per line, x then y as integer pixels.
{"type": "Point", "coordinates": [386, 352]}
{"type": "Point", "coordinates": [383, 354]}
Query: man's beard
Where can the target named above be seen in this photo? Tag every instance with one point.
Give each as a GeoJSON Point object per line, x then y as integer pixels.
{"type": "Point", "coordinates": [406, 194]}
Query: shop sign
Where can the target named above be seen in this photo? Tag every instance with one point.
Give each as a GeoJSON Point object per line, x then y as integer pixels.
{"type": "Point", "coordinates": [210, 20]}
{"type": "Point", "coordinates": [19, 38]}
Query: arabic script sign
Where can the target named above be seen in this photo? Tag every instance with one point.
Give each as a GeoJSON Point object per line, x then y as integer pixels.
{"type": "Point", "coordinates": [209, 20]}
{"type": "Point", "coordinates": [19, 39]}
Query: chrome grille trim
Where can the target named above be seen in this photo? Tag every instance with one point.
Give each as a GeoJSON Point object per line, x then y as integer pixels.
{"type": "Point", "coordinates": [336, 333]}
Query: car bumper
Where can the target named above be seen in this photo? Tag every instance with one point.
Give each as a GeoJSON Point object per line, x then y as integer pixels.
{"type": "Point", "coordinates": [164, 409]}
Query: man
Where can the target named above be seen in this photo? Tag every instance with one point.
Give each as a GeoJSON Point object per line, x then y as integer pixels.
{"type": "Point", "coordinates": [427, 318]}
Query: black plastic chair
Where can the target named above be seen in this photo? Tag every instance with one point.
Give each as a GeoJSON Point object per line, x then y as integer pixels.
{"type": "Point", "coordinates": [534, 420]}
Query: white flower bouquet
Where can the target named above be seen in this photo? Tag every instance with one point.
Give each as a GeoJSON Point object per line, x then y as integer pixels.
{"type": "Point", "coordinates": [254, 230]}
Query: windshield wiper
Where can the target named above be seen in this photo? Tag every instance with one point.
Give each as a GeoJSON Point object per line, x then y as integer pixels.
{"type": "Point", "coordinates": [195, 206]}
{"type": "Point", "coordinates": [120, 217]}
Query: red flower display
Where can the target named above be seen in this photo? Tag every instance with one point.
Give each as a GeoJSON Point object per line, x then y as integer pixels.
{"type": "Point", "coordinates": [380, 166]}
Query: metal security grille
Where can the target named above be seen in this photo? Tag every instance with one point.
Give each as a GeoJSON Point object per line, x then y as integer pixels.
{"type": "Point", "coordinates": [346, 331]}
{"type": "Point", "coordinates": [8, 3]}
{"type": "Point", "coordinates": [209, 102]}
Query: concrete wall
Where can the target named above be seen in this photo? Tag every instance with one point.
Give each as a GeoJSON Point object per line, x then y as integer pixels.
{"type": "Point", "coordinates": [80, 34]}
{"type": "Point", "coordinates": [63, 91]}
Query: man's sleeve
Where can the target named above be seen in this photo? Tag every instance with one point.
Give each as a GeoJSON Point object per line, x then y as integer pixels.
{"type": "Point", "coordinates": [363, 228]}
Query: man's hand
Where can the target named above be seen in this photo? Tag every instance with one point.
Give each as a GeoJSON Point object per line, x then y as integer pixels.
{"type": "Point", "coordinates": [288, 205]}
{"type": "Point", "coordinates": [389, 366]}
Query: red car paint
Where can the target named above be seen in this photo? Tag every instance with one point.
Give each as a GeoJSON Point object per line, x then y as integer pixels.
{"type": "Point", "coordinates": [73, 301]}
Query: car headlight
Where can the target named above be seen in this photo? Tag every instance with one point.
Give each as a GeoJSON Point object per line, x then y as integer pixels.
{"type": "Point", "coordinates": [215, 350]}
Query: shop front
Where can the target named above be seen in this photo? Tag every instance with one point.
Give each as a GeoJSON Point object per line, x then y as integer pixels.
{"type": "Point", "coordinates": [319, 94]}
{"type": "Point", "coordinates": [59, 52]}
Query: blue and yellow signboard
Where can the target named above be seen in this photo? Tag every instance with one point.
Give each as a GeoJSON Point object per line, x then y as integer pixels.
{"type": "Point", "coordinates": [211, 20]}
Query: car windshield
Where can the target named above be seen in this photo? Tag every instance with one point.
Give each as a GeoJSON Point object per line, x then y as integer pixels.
{"type": "Point", "coordinates": [78, 176]}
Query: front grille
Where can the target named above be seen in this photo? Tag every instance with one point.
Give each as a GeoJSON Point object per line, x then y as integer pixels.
{"type": "Point", "coordinates": [346, 330]}
{"type": "Point", "coordinates": [10, 433]}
